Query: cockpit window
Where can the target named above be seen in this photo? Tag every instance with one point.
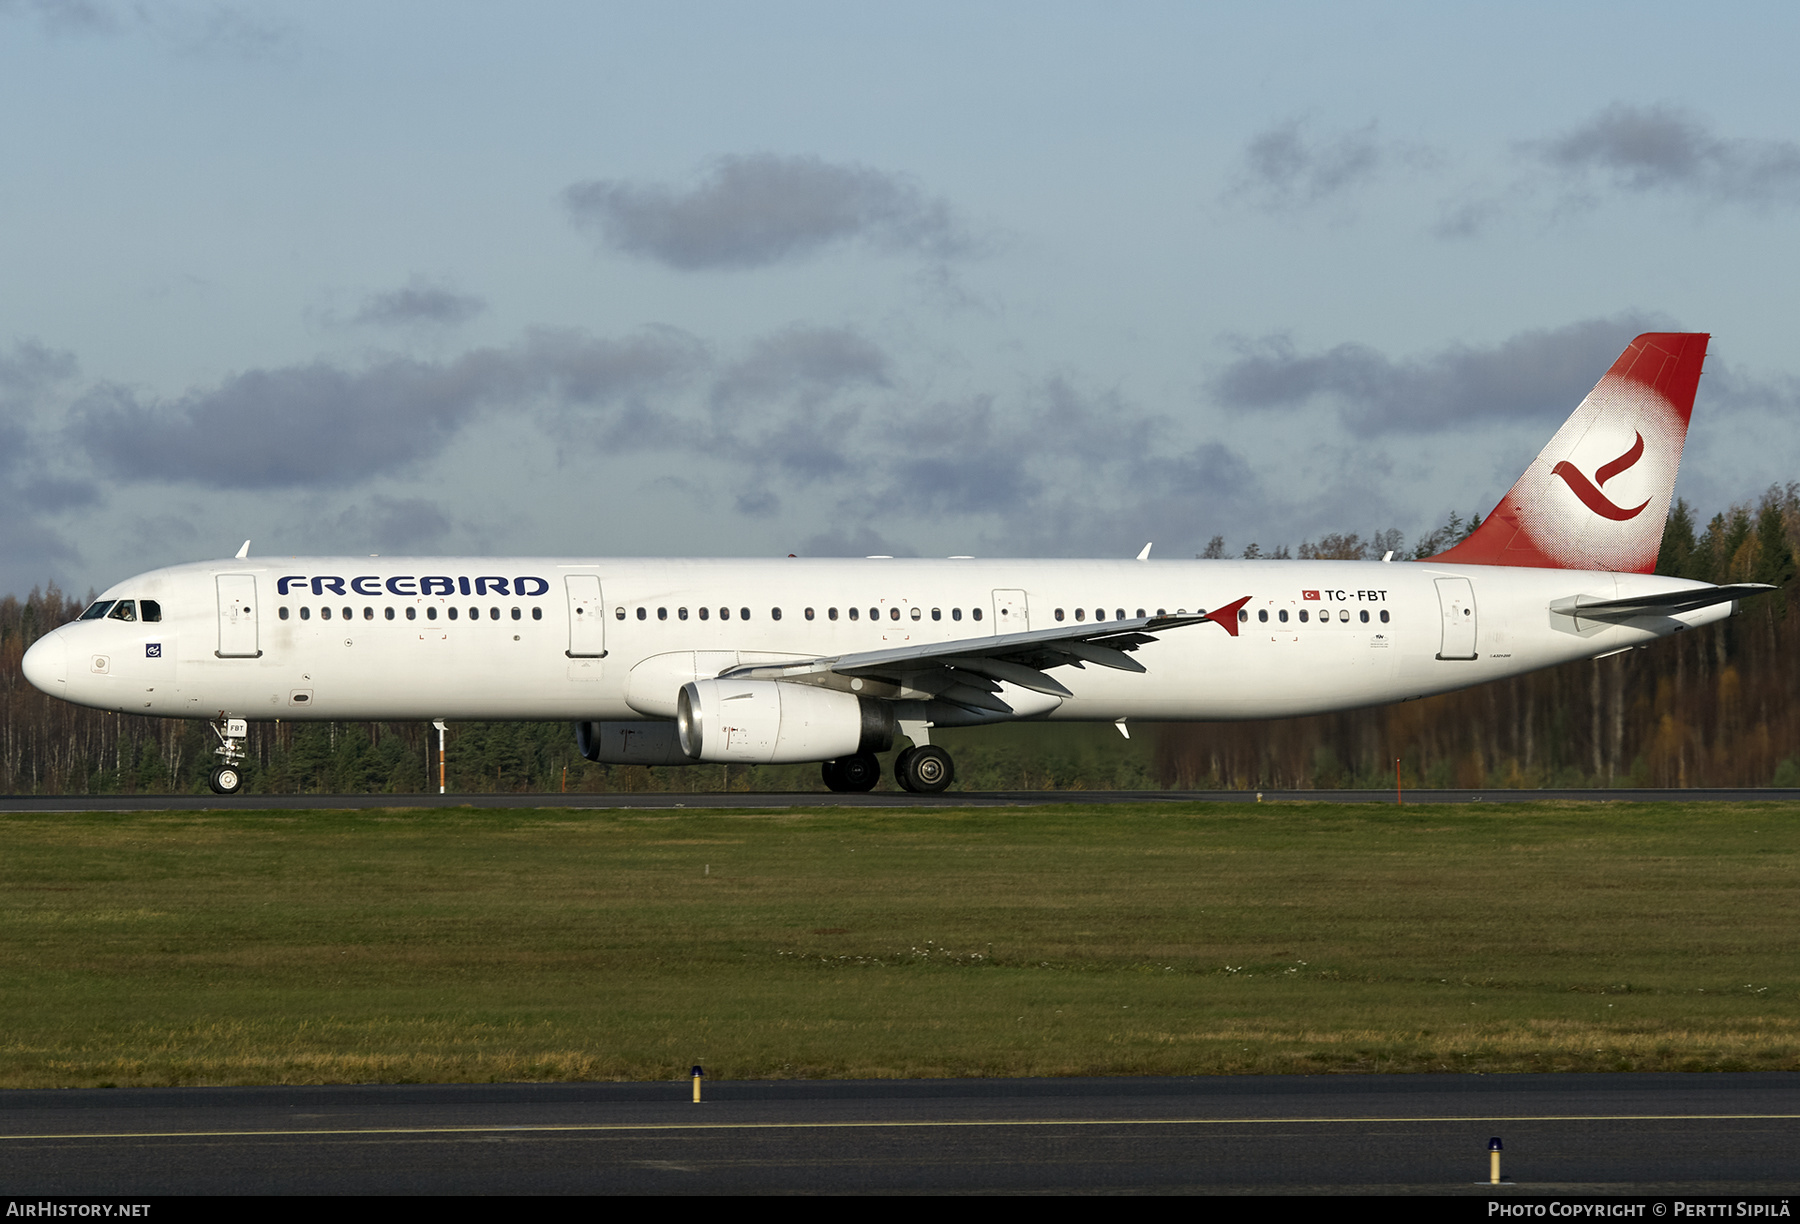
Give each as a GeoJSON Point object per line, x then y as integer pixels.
{"type": "Point", "coordinates": [98, 610]}
{"type": "Point", "coordinates": [125, 610]}
{"type": "Point", "coordinates": [149, 610]}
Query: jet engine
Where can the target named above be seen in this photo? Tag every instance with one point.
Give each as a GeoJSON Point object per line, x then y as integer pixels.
{"type": "Point", "coordinates": [766, 722]}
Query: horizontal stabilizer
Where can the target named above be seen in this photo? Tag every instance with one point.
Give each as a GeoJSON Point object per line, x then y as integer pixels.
{"type": "Point", "coordinates": [1667, 603]}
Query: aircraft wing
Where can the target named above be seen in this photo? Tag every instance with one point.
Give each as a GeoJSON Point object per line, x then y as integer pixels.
{"type": "Point", "coordinates": [1667, 603]}
{"type": "Point", "coordinates": [969, 671]}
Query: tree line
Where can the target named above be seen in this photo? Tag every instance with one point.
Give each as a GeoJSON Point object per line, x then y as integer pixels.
{"type": "Point", "coordinates": [1715, 707]}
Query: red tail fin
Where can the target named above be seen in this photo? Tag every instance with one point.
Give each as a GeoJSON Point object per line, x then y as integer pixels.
{"type": "Point", "coordinates": [1596, 498]}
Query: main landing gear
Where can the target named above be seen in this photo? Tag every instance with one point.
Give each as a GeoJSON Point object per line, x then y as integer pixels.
{"type": "Point", "coordinates": [922, 769]}
{"type": "Point", "coordinates": [852, 773]}
{"type": "Point", "coordinates": [228, 778]}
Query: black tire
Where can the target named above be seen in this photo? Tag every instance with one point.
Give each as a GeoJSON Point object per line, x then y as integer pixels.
{"type": "Point", "coordinates": [833, 773]}
{"type": "Point", "coordinates": [860, 772]}
{"type": "Point", "coordinates": [226, 780]}
{"type": "Point", "coordinates": [902, 769]}
{"type": "Point", "coordinates": [928, 770]}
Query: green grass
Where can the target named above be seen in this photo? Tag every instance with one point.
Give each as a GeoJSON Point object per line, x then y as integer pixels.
{"type": "Point", "coordinates": [390, 946]}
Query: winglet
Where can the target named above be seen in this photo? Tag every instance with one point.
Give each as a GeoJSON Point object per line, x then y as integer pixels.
{"type": "Point", "coordinates": [244, 551]}
{"type": "Point", "coordinates": [1226, 618]}
{"type": "Point", "coordinates": [1145, 555]}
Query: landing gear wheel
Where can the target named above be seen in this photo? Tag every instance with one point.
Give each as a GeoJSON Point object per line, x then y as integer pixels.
{"type": "Point", "coordinates": [902, 774]}
{"type": "Point", "coordinates": [925, 770]}
{"type": "Point", "coordinates": [226, 780]}
{"type": "Point", "coordinates": [852, 773]}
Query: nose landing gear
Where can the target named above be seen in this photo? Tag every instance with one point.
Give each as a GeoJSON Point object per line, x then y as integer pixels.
{"type": "Point", "coordinates": [228, 779]}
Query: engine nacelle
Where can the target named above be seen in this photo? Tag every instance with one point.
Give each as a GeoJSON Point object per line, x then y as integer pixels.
{"type": "Point", "coordinates": [766, 722]}
{"type": "Point", "coordinates": [630, 743]}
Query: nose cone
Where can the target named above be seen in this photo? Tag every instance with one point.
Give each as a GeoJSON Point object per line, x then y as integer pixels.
{"type": "Point", "coordinates": [46, 664]}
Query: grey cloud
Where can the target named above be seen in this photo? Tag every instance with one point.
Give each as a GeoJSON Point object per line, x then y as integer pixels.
{"type": "Point", "coordinates": [67, 16]}
{"type": "Point", "coordinates": [1291, 166]}
{"type": "Point", "coordinates": [1539, 374]}
{"type": "Point", "coordinates": [410, 524]}
{"type": "Point", "coordinates": [32, 368]}
{"type": "Point", "coordinates": [318, 425]}
{"type": "Point", "coordinates": [862, 541]}
{"type": "Point", "coordinates": [419, 303]}
{"type": "Point", "coordinates": [761, 209]}
{"type": "Point", "coordinates": [1660, 148]}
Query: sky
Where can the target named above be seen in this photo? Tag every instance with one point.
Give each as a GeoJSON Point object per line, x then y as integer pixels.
{"type": "Point", "coordinates": [838, 280]}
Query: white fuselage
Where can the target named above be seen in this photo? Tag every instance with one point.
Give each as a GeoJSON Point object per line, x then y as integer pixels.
{"type": "Point", "coordinates": [358, 638]}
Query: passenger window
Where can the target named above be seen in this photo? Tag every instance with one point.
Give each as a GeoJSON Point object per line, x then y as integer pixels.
{"type": "Point", "coordinates": [412, 613]}
{"type": "Point", "coordinates": [681, 614]}
{"type": "Point", "coordinates": [1282, 616]}
{"type": "Point", "coordinates": [955, 614]}
{"type": "Point", "coordinates": [774, 614]}
{"type": "Point", "coordinates": [349, 613]}
{"type": "Point", "coordinates": [1140, 613]}
{"type": "Point", "coordinates": [452, 612]}
{"type": "Point", "coordinates": [893, 613]}
{"type": "Point", "coordinates": [874, 613]}
{"type": "Point", "coordinates": [1121, 615]}
{"type": "Point", "coordinates": [1384, 619]}
{"type": "Point", "coordinates": [515, 614]}
{"type": "Point", "coordinates": [474, 613]}
{"type": "Point", "coordinates": [388, 612]}
{"type": "Point", "coordinates": [661, 614]}
{"type": "Point", "coordinates": [1262, 614]}
{"type": "Point", "coordinates": [1161, 612]}
{"type": "Point", "coordinates": [368, 613]}
{"type": "Point", "coordinates": [1099, 614]}
{"type": "Point", "coordinates": [283, 614]}
{"type": "Point", "coordinates": [324, 613]}
{"type": "Point", "coordinates": [431, 612]}
{"type": "Point", "coordinates": [1081, 614]}
{"type": "Point", "coordinates": [937, 614]}
{"type": "Point", "coordinates": [918, 613]}
{"type": "Point", "coordinates": [1302, 616]}
{"type": "Point", "coordinates": [1344, 615]}
{"type": "Point", "coordinates": [744, 614]}
{"type": "Point", "coordinates": [975, 612]}
{"type": "Point", "coordinates": [831, 614]}
{"type": "Point", "coordinates": [705, 613]}
{"type": "Point", "coordinates": [1243, 615]}
{"type": "Point", "coordinates": [537, 614]}
{"type": "Point", "coordinates": [494, 614]}
{"type": "Point", "coordinates": [809, 614]}
{"type": "Point", "coordinates": [1364, 614]}
{"type": "Point", "coordinates": [618, 613]}
{"type": "Point", "coordinates": [124, 610]}
{"type": "Point", "coordinates": [643, 613]}
{"type": "Point", "coordinates": [855, 614]}
{"type": "Point", "coordinates": [305, 612]}
{"type": "Point", "coordinates": [1059, 614]}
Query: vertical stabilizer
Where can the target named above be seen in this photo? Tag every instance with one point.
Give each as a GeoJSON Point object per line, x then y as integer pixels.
{"type": "Point", "coordinates": [1596, 498]}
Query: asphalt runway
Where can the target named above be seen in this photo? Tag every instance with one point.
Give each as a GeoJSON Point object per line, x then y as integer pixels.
{"type": "Point", "coordinates": [877, 799]}
{"type": "Point", "coordinates": [1427, 1134]}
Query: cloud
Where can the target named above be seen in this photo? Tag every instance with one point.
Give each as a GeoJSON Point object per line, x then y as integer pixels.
{"type": "Point", "coordinates": [1289, 166]}
{"type": "Point", "coordinates": [419, 303]}
{"type": "Point", "coordinates": [1647, 149]}
{"type": "Point", "coordinates": [322, 426]}
{"type": "Point", "coordinates": [1535, 375]}
{"type": "Point", "coordinates": [67, 16]}
{"type": "Point", "coordinates": [389, 524]}
{"type": "Point", "coordinates": [761, 209]}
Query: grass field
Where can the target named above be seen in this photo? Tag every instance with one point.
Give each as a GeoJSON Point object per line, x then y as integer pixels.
{"type": "Point", "coordinates": [1159, 939]}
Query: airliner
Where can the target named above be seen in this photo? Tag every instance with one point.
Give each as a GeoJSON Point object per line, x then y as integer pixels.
{"type": "Point", "coordinates": [674, 662]}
